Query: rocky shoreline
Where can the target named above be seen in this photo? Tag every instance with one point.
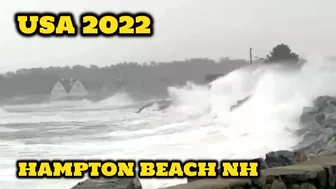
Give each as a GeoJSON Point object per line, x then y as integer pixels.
{"type": "Point", "coordinates": [312, 165]}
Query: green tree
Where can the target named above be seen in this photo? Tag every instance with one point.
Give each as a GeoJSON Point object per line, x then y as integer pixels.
{"type": "Point", "coordinates": [282, 53]}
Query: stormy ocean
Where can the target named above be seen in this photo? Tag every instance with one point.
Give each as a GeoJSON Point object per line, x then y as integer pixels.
{"type": "Point", "coordinates": [198, 123]}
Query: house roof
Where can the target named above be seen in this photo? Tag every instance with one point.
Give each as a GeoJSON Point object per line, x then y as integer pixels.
{"type": "Point", "coordinates": [92, 85]}
{"type": "Point", "coordinates": [67, 83]}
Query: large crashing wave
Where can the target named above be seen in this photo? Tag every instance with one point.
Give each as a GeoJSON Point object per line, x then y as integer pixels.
{"type": "Point", "coordinates": [271, 87]}
{"type": "Point", "coordinates": [226, 91]}
{"type": "Point", "coordinates": [278, 94]}
{"type": "Point", "coordinates": [199, 123]}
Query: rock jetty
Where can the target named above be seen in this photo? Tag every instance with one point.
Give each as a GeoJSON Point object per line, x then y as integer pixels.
{"type": "Point", "coordinates": [317, 173]}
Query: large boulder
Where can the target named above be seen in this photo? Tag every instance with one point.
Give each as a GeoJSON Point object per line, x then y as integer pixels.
{"type": "Point", "coordinates": [109, 183]}
{"type": "Point", "coordinates": [323, 101]}
{"type": "Point", "coordinates": [318, 126]}
{"type": "Point", "coordinates": [283, 158]}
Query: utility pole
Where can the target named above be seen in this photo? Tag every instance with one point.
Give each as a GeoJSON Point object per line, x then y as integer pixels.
{"type": "Point", "coordinates": [250, 55]}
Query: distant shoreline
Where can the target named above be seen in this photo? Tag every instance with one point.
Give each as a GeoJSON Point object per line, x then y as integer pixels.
{"type": "Point", "coordinates": [140, 80]}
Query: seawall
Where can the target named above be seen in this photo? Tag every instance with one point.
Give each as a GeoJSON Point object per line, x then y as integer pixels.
{"type": "Point", "coordinates": [317, 173]}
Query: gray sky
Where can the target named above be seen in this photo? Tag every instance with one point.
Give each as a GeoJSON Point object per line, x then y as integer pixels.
{"type": "Point", "coordinates": [183, 29]}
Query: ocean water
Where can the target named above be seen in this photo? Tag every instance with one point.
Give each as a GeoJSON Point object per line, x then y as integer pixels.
{"type": "Point", "coordinates": [197, 125]}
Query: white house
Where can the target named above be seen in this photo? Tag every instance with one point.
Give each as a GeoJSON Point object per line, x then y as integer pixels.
{"type": "Point", "coordinates": [68, 89]}
{"type": "Point", "coordinates": [78, 89]}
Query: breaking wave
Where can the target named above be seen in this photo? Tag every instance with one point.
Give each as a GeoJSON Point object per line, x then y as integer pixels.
{"type": "Point", "coordinates": [118, 99]}
{"type": "Point", "coordinates": [278, 94]}
{"type": "Point", "coordinates": [199, 123]}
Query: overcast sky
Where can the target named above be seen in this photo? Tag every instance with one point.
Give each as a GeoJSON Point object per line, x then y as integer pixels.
{"type": "Point", "coordinates": [183, 29]}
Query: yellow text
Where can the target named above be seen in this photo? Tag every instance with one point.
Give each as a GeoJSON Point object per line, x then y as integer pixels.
{"type": "Point", "coordinates": [75, 168]}
{"type": "Point", "coordinates": [46, 24]}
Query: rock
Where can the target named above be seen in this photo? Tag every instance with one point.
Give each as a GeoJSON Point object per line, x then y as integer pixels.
{"type": "Point", "coordinates": [320, 118]}
{"type": "Point", "coordinates": [330, 120]}
{"type": "Point", "coordinates": [109, 183]}
{"type": "Point", "coordinates": [312, 135]}
{"type": "Point", "coordinates": [278, 185]}
{"type": "Point", "coordinates": [326, 104]}
{"type": "Point", "coordinates": [328, 108]}
{"type": "Point", "coordinates": [330, 147]}
{"type": "Point", "coordinates": [310, 109]}
{"type": "Point", "coordinates": [262, 163]}
{"type": "Point", "coordinates": [322, 178]}
{"type": "Point", "coordinates": [308, 114]}
{"type": "Point", "coordinates": [331, 176]}
{"type": "Point", "coordinates": [321, 101]}
{"type": "Point", "coordinates": [310, 119]}
{"type": "Point", "coordinates": [316, 173]}
{"type": "Point", "coordinates": [192, 179]}
{"type": "Point", "coordinates": [293, 186]}
{"type": "Point", "coordinates": [282, 158]}
{"type": "Point", "coordinates": [267, 186]}
{"type": "Point", "coordinates": [215, 183]}
{"type": "Point", "coordinates": [318, 126]}
{"type": "Point", "coordinates": [307, 185]}
{"type": "Point", "coordinates": [313, 147]}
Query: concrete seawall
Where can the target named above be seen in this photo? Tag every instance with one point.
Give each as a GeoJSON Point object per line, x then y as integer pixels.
{"type": "Point", "coordinates": [317, 173]}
